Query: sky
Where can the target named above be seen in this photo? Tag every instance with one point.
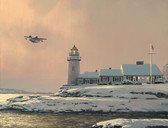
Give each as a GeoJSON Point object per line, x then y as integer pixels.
{"type": "Point", "coordinates": [107, 33]}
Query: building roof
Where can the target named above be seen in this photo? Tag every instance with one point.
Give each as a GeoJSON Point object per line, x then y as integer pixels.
{"type": "Point", "coordinates": [89, 75]}
{"type": "Point", "coordinates": [138, 70]}
{"type": "Point", "coordinates": [110, 72]}
{"type": "Point", "coordinates": [74, 48]}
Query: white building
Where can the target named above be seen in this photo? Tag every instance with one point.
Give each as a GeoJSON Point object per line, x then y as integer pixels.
{"type": "Point", "coordinates": [74, 66]}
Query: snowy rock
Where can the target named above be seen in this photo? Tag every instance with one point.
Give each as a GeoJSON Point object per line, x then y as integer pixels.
{"type": "Point", "coordinates": [104, 99]}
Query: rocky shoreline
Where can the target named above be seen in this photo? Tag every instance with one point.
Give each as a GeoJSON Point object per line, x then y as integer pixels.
{"type": "Point", "coordinates": [97, 99]}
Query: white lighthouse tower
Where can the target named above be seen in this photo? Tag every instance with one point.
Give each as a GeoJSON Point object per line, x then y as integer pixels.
{"type": "Point", "coordinates": [74, 65]}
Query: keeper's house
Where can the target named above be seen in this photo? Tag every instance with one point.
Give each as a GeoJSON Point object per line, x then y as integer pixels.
{"type": "Point", "coordinates": [140, 72]}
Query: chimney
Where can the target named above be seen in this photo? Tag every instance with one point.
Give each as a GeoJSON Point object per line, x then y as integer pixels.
{"type": "Point", "coordinates": [139, 62]}
{"type": "Point", "coordinates": [109, 68]}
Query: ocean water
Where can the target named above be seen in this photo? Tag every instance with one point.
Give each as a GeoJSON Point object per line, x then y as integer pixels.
{"type": "Point", "coordinates": [18, 119]}
{"type": "Point", "coordinates": [13, 119]}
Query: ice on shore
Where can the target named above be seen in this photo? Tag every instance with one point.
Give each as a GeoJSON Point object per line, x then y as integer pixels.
{"type": "Point", "coordinates": [133, 123]}
{"type": "Point", "coordinates": [127, 98]}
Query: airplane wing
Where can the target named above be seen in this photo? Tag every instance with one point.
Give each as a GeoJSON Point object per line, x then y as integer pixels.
{"type": "Point", "coordinates": [42, 38]}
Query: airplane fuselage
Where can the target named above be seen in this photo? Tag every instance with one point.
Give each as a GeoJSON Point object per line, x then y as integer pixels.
{"type": "Point", "coordinates": [34, 40]}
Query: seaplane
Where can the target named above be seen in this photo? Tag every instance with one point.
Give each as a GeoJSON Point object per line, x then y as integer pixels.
{"type": "Point", "coordinates": [35, 39]}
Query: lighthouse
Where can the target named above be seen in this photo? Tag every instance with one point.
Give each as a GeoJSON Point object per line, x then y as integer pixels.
{"type": "Point", "coordinates": [74, 65]}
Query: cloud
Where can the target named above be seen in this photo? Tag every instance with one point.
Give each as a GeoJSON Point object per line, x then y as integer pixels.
{"type": "Point", "coordinates": [43, 6]}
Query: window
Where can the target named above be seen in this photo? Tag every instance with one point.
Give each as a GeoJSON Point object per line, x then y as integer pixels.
{"type": "Point", "coordinates": [80, 81]}
{"type": "Point", "coordinates": [128, 77]}
{"type": "Point", "coordinates": [147, 78]}
{"type": "Point", "coordinates": [153, 79]}
{"type": "Point", "coordinates": [87, 81]}
{"type": "Point", "coordinates": [104, 78]}
{"type": "Point", "coordinates": [158, 77]}
{"type": "Point", "coordinates": [116, 78]}
{"type": "Point", "coordinates": [73, 68]}
{"type": "Point", "coordinates": [94, 81]}
{"type": "Point", "coordinates": [134, 78]}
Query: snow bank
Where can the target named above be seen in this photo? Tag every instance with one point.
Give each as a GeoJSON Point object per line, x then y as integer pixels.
{"type": "Point", "coordinates": [115, 91]}
{"type": "Point", "coordinates": [133, 123]}
{"type": "Point", "coordinates": [127, 98]}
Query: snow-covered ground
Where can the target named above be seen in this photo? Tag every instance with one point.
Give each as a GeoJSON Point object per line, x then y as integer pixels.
{"type": "Point", "coordinates": [127, 98]}
{"type": "Point", "coordinates": [133, 123]}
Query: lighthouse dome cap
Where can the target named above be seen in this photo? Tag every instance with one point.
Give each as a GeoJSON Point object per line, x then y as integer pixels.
{"type": "Point", "coordinates": [74, 48]}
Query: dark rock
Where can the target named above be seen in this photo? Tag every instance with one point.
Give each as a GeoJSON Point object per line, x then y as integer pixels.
{"type": "Point", "coordinates": [157, 126]}
{"type": "Point", "coordinates": [34, 96]}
